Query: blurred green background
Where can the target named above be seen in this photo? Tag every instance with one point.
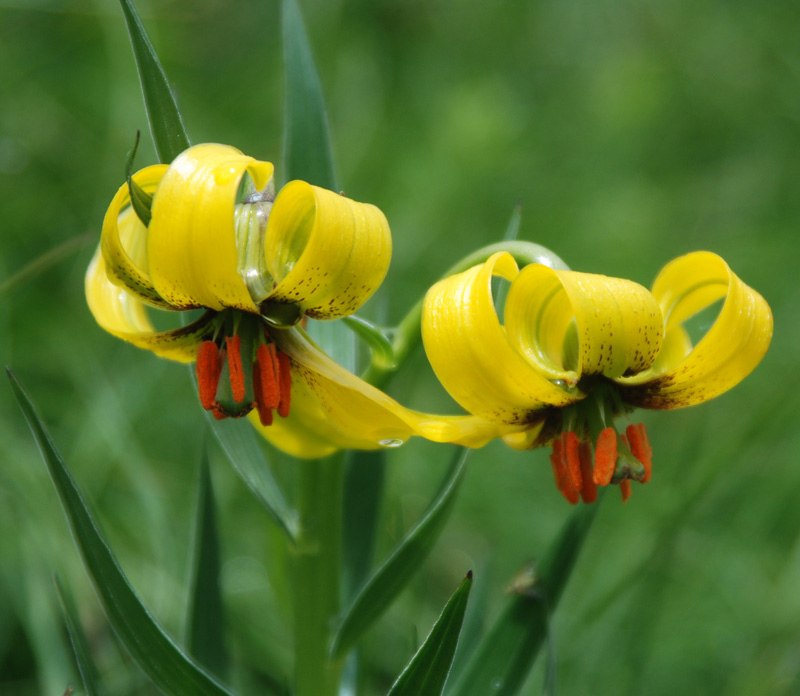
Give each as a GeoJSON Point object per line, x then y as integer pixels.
{"type": "Point", "coordinates": [631, 132]}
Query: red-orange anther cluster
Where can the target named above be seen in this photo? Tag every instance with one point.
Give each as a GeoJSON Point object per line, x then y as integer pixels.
{"type": "Point", "coordinates": [577, 477]}
{"type": "Point", "coordinates": [272, 379]}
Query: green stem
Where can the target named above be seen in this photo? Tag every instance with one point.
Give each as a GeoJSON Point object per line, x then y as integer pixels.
{"type": "Point", "coordinates": [407, 335]}
{"type": "Point", "coordinates": [316, 571]}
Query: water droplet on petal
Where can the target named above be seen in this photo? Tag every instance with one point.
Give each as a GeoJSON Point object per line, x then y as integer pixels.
{"type": "Point", "coordinates": [391, 442]}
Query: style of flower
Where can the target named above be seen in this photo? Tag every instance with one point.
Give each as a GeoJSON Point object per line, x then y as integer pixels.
{"type": "Point", "coordinates": [576, 351]}
{"type": "Point", "coordinates": [219, 239]}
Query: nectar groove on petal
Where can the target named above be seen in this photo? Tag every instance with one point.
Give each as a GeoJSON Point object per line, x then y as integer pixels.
{"type": "Point", "coordinates": [207, 369]}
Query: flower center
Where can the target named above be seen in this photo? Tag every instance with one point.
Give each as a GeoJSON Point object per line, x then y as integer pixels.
{"type": "Point", "coordinates": [241, 368]}
{"type": "Point", "coordinates": [590, 452]}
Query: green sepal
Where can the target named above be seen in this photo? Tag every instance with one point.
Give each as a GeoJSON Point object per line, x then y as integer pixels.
{"type": "Point", "coordinates": [404, 561]}
{"type": "Point", "coordinates": [169, 667]}
{"type": "Point", "coordinates": [166, 124]}
{"type": "Point", "coordinates": [429, 668]}
{"type": "Point", "coordinates": [141, 201]}
{"type": "Point", "coordinates": [78, 640]}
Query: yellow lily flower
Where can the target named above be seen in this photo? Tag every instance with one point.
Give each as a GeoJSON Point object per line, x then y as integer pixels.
{"type": "Point", "coordinates": [577, 350]}
{"type": "Point", "coordinates": [258, 266]}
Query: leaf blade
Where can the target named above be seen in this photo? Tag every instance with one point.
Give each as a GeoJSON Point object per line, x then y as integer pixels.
{"type": "Point", "coordinates": [507, 652]}
{"type": "Point", "coordinates": [308, 154]}
{"type": "Point", "coordinates": [154, 651]}
{"type": "Point", "coordinates": [164, 117]}
{"type": "Point", "coordinates": [428, 670]}
{"type": "Point", "coordinates": [389, 580]}
{"type": "Point", "coordinates": [205, 617]}
{"type": "Point", "coordinates": [77, 638]}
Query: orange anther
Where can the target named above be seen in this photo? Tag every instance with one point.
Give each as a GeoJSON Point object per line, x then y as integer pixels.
{"type": "Point", "coordinates": [625, 489]}
{"type": "Point", "coordinates": [219, 415]}
{"type": "Point", "coordinates": [561, 473]}
{"type": "Point", "coordinates": [605, 457]}
{"type": "Point", "coordinates": [588, 486]}
{"type": "Point", "coordinates": [284, 370]}
{"type": "Point", "coordinates": [234, 344]}
{"type": "Point", "coordinates": [640, 448]}
{"type": "Point", "coordinates": [207, 368]}
{"type": "Point", "coordinates": [571, 447]}
{"type": "Point", "coordinates": [265, 383]}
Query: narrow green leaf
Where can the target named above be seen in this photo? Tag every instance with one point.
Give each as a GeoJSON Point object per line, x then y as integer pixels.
{"type": "Point", "coordinates": [80, 646]}
{"type": "Point", "coordinates": [141, 201]}
{"type": "Point", "coordinates": [239, 442]}
{"type": "Point", "coordinates": [365, 474]}
{"type": "Point", "coordinates": [308, 154]}
{"type": "Point", "coordinates": [166, 124]}
{"type": "Point", "coordinates": [506, 654]}
{"type": "Point", "coordinates": [206, 620]}
{"type": "Point", "coordinates": [429, 668]}
{"type": "Point", "coordinates": [170, 668]}
{"type": "Point", "coordinates": [390, 579]}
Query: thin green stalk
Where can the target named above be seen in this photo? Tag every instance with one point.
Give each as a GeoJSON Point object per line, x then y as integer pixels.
{"type": "Point", "coordinates": [316, 572]}
{"type": "Point", "coordinates": [407, 335]}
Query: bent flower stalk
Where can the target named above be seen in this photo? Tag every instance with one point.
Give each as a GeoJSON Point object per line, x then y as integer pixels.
{"type": "Point", "coordinates": [576, 351]}
{"type": "Point", "coordinates": [219, 239]}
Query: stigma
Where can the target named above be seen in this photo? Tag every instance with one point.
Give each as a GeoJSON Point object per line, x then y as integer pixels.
{"type": "Point", "coordinates": [580, 467]}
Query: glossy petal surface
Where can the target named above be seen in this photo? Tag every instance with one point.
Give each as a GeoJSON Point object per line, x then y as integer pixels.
{"type": "Point", "coordinates": [334, 409]}
{"type": "Point", "coordinates": [731, 348]}
{"type": "Point", "coordinates": [327, 253]}
{"type": "Point", "coordinates": [471, 353]}
{"type": "Point", "coordinates": [123, 314]}
{"type": "Point", "coordinates": [192, 256]}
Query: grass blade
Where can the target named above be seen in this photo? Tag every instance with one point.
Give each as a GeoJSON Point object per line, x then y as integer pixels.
{"type": "Point", "coordinates": [206, 620]}
{"type": "Point", "coordinates": [80, 646]}
{"type": "Point", "coordinates": [428, 670]}
{"type": "Point", "coordinates": [308, 154]}
{"type": "Point", "coordinates": [166, 124]}
{"type": "Point", "coordinates": [170, 668]}
{"type": "Point", "coordinates": [390, 579]}
{"type": "Point", "coordinates": [506, 654]}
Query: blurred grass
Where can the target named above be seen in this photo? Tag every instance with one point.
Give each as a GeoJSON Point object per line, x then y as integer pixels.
{"type": "Point", "coordinates": [630, 132]}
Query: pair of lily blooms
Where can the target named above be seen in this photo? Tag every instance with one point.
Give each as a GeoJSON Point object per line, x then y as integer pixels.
{"type": "Point", "coordinates": [575, 351]}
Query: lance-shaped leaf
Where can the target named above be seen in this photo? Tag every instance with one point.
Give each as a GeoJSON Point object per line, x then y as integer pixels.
{"type": "Point", "coordinates": [170, 668]}
{"type": "Point", "coordinates": [166, 124]}
{"type": "Point", "coordinates": [506, 654]}
{"type": "Point", "coordinates": [390, 579]}
{"type": "Point", "coordinates": [206, 620]}
{"type": "Point", "coordinates": [240, 445]}
{"type": "Point", "coordinates": [77, 638]}
{"type": "Point", "coordinates": [428, 670]}
{"type": "Point", "coordinates": [307, 145]}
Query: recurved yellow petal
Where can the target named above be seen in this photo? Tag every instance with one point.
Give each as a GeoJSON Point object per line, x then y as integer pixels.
{"type": "Point", "coordinates": [472, 355]}
{"type": "Point", "coordinates": [572, 324]}
{"type": "Point", "coordinates": [123, 314]}
{"type": "Point", "coordinates": [327, 253]}
{"type": "Point", "coordinates": [125, 255]}
{"type": "Point", "coordinates": [729, 351]}
{"type": "Point", "coordinates": [192, 254]}
{"type": "Point", "coordinates": [333, 409]}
